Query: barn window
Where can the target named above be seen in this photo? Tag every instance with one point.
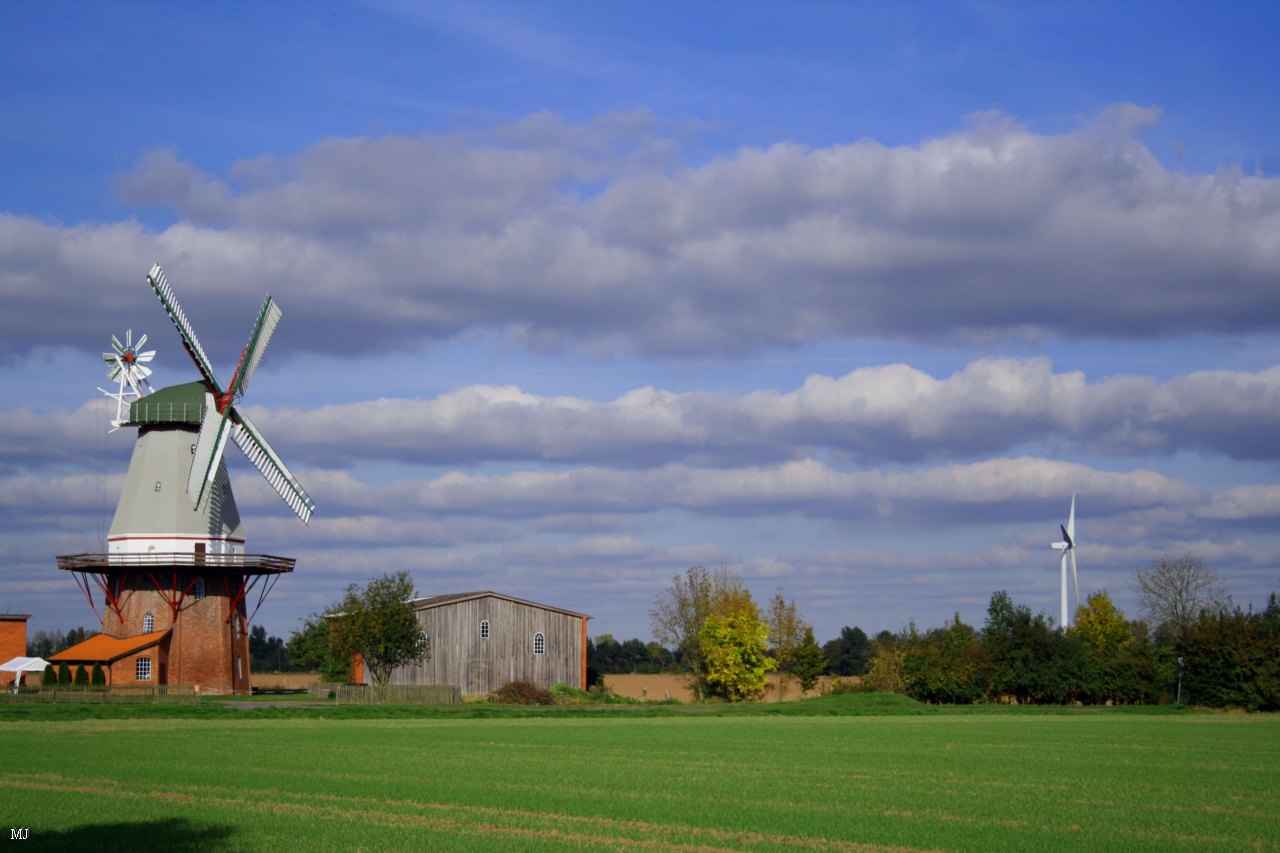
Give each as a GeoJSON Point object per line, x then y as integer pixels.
{"type": "Point", "coordinates": [148, 623]}
{"type": "Point", "coordinates": [539, 643]}
{"type": "Point", "coordinates": [199, 590]}
{"type": "Point", "coordinates": [484, 629]}
{"type": "Point", "coordinates": [142, 669]}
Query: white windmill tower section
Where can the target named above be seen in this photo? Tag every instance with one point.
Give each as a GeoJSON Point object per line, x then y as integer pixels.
{"type": "Point", "coordinates": [154, 516]}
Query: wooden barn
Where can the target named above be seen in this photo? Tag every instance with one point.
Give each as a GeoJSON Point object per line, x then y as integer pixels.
{"type": "Point", "coordinates": [482, 640]}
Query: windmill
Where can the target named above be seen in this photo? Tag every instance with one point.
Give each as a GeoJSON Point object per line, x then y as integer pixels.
{"type": "Point", "coordinates": [221, 417]}
{"type": "Point", "coordinates": [128, 368]}
{"type": "Point", "coordinates": [175, 584]}
{"type": "Point", "coordinates": [1068, 548]}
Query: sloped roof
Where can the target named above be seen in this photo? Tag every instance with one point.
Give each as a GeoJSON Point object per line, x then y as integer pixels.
{"type": "Point", "coordinates": [453, 598]}
{"type": "Point", "coordinates": [24, 664]}
{"type": "Point", "coordinates": [103, 648]}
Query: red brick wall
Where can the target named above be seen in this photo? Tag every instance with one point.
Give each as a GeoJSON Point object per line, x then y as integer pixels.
{"type": "Point", "coordinates": [13, 643]}
{"type": "Point", "coordinates": [204, 646]}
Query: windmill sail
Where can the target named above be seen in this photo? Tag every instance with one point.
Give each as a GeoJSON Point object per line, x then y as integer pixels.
{"type": "Point", "coordinates": [250, 440]}
{"type": "Point", "coordinates": [214, 429]}
{"type": "Point", "coordinates": [160, 285]}
{"type": "Point", "coordinates": [268, 318]}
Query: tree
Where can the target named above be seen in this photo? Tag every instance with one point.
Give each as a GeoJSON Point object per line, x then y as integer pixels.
{"type": "Point", "coordinates": [1100, 625]}
{"type": "Point", "coordinates": [64, 674]}
{"type": "Point", "coordinates": [310, 650]}
{"type": "Point", "coordinates": [97, 678]}
{"type": "Point", "coordinates": [378, 623]}
{"type": "Point", "coordinates": [266, 654]}
{"type": "Point", "coordinates": [944, 665]}
{"type": "Point", "coordinates": [734, 648]}
{"type": "Point", "coordinates": [82, 676]}
{"type": "Point", "coordinates": [1174, 591]}
{"type": "Point", "coordinates": [850, 653]}
{"type": "Point", "coordinates": [680, 612]}
{"type": "Point", "coordinates": [786, 632]}
{"type": "Point", "coordinates": [809, 662]}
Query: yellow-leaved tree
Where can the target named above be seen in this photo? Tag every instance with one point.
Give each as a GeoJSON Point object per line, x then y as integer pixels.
{"type": "Point", "coordinates": [734, 643]}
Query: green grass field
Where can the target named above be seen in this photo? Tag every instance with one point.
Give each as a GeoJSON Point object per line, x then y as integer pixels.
{"type": "Point", "coordinates": [617, 779]}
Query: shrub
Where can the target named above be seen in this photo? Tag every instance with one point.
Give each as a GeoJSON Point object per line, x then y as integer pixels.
{"type": "Point", "coordinates": [64, 673]}
{"type": "Point", "coordinates": [50, 678]}
{"type": "Point", "coordinates": [97, 678]}
{"type": "Point", "coordinates": [522, 693]}
{"type": "Point", "coordinates": [82, 676]}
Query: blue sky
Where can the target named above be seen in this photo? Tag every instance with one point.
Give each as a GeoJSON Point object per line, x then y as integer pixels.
{"type": "Point", "coordinates": [847, 297]}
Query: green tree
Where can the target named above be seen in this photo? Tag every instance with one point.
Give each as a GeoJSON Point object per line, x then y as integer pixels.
{"type": "Point", "coordinates": [50, 677]}
{"type": "Point", "coordinates": [1232, 659]}
{"type": "Point", "coordinates": [82, 676]}
{"type": "Point", "coordinates": [377, 622]}
{"type": "Point", "coordinates": [311, 649]}
{"type": "Point", "coordinates": [64, 674]}
{"type": "Point", "coordinates": [944, 665]}
{"type": "Point", "coordinates": [680, 612]}
{"type": "Point", "coordinates": [810, 662]}
{"type": "Point", "coordinates": [97, 678]}
{"type": "Point", "coordinates": [734, 647]}
{"type": "Point", "coordinates": [850, 653]}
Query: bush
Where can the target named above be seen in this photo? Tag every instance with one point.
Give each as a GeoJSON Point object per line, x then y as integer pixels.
{"type": "Point", "coordinates": [50, 678]}
{"type": "Point", "coordinates": [97, 678]}
{"type": "Point", "coordinates": [82, 676]}
{"type": "Point", "coordinates": [522, 693]}
{"type": "Point", "coordinates": [64, 674]}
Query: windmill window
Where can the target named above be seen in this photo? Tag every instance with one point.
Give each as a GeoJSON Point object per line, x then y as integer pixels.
{"type": "Point", "coordinates": [539, 643]}
{"type": "Point", "coordinates": [193, 450]}
{"type": "Point", "coordinates": [148, 623]}
{"type": "Point", "coordinates": [157, 485]}
{"type": "Point", "coordinates": [484, 629]}
{"type": "Point", "coordinates": [199, 590]}
{"type": "Point", "coordinates": [142, 669]}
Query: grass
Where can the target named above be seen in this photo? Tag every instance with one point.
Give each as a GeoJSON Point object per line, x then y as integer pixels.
{"type": "Point", "coordinates": [856, 772]}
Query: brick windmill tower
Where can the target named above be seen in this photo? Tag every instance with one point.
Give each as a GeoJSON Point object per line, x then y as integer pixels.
{"type": "Point", "coordinates": [176, 582]}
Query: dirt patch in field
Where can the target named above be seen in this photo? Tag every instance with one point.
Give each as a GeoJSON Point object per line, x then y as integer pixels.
{"type": "Point", "coordinates": [656, 688]}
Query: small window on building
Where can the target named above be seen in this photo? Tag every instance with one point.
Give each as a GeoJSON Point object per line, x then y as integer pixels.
{"type": "Point", "coordinates": [484, 629]}
{"type": "Point", "coordinates": [157, 485]}
{"type": "Point", "coordinates": [148, 623]}
{"type": "Point", "coordinates": [142, 669]}
{"type": "Point", "coordinates": [199, 590]}
{"type": "Point", "coordinates": [239, 667]}
{"type": "Point", "coordinates": [539, 644]}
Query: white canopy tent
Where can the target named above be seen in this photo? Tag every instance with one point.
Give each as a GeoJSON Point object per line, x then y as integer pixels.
{"type": "Point", "coordinates": [20, 666]}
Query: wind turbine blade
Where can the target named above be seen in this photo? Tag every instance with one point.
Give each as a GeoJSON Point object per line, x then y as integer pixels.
{"type": "Point", "coordinates": [1071, 520]}
{"type": "Point", "coordinates": [250, 440]}
{"type": "Point", "coordinates": [164, 292]}
{"type": "Point", "coordinates": [214, 429]}
{"type": "Point", "coordinates": [268, 318]}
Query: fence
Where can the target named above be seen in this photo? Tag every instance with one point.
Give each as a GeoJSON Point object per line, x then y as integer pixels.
{"type": "Point", "coordinates": [418, 694]}
{"type": "Point", "coordinates": [103, 695]}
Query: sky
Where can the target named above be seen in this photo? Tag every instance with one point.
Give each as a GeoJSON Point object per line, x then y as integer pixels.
{"type": "Point", "coordinates": [850, 298]}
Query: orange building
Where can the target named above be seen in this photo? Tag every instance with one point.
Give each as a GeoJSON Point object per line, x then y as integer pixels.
{"type": "Point", "coordinates": [13, 640]}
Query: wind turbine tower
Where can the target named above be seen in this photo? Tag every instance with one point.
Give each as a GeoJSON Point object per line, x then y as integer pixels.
{"type": "Point", "coordinates": [1068, 548]}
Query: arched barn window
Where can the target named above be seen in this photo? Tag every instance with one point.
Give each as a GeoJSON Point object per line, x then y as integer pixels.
{"type": "Point", "coordinates": [484, 629]}
{"type": "Point", "coordinates": [142, 669]}
{"type": "Point", "coordinates": [539, 643]}
{"type": "Point", "coordinates": [148, 623]}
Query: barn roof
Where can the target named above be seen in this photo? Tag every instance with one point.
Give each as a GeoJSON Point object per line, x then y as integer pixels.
{"type": "Point", "coordinates": [104, 648]}
{"type": "Point", "coordinates": [456, 597]}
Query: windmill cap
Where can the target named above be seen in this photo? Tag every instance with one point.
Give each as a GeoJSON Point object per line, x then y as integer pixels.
{"type": "Point", "coordinates": [177, 404]}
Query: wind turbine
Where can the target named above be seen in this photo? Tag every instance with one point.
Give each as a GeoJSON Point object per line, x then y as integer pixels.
{"type": "Point", "coordinates": [1068, 548]}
